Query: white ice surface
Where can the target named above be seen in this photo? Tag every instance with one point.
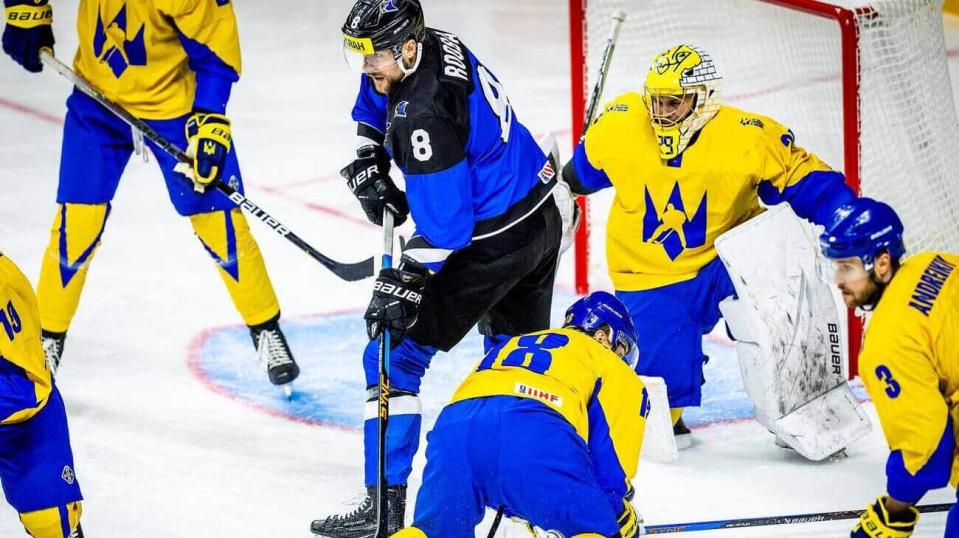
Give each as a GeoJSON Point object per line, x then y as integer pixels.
{"type": "Point", "coordinates": [160, 455]}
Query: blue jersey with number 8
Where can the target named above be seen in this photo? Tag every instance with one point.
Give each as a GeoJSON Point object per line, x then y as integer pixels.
{"type": "Point", "coordinates": [471, 168]}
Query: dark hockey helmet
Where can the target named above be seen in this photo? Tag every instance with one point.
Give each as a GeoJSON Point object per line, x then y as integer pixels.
{"type": "Point", "coordinates": [380, 25]}
{"type": "Point", "coordinates": [862, 229]}
{"type": "Point", "coordinates": [601, 308]}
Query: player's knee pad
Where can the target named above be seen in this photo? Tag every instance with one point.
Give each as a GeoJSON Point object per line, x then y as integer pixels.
{"type": "Point", "coordinates": [409, 532]}
{"type": "Point", "coordinates": [56, 522]}
{"type": "Point", "coordinates": [226, 237]}
{"type": "Point", "coordinates": [74, 237]}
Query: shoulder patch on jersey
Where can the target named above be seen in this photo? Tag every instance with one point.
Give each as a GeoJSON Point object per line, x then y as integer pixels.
{"type": "Point", "coordinates": [400, 110]}
{"type": "Point", "coordinates": [620, 107]}
{"type": "Point", "coordinates": [754, 122]}
{"type": "Point", "coordinates": [788, 138]}
{"type": "Point", "coordinates": [453, 56]}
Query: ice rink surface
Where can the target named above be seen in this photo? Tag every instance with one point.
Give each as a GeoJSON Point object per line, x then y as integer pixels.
{"type": "Point", "coordinates": [176, 432]}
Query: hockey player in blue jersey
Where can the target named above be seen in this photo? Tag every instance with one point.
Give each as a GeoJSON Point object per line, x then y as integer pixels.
{"type": "Point", "coordinates": [479, 189]}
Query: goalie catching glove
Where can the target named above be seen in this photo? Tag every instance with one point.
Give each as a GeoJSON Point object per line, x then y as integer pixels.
{"type": "Point", "coordinates": [29, 29]}
{"type": "Point", "coordinates": [396, 302]}
{"type": "Point", "coordinates": [368, 177]}
{"type": "Point", "coordinates": [876, 522]}
{"type": "Point", "coordinates": [209, 138]}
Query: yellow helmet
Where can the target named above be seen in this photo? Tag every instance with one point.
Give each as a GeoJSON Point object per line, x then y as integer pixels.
{"type": "Point", "coordinates": [682, 94]}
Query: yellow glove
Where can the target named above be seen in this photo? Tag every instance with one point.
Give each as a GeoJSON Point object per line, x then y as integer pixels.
{"type": "Point", "coordinates": [630, 523]}
{"type": "Point", "coordinates": [875, 522]}
{"type": "Point", "coordinates": [209, 137]}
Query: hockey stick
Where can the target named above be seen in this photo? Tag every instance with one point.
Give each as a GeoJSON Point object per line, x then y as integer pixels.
{"type": "Point", "coordinates": [383, 386]}
{"type": "Point", "coordinates": [774, 520]}
{"type": "Point", "coordinates": [580, 226]}
{"type": "Point", "coordinates": [346, 271]}
{"type": "Point", "coordinates": [495, 526]}
{"type": "Point", "coordinates": [619, 17]}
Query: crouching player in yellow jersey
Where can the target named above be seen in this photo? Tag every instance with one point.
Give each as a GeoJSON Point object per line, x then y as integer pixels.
{"type": "Point", "coordinates": [687, 169]}
{"type": "Point", "coordinates": [909, 360]}
{"type": "Point", "coordinates": [171, 63]}
{"type": "Point", "coordinates": [36, 463]}
{"type": "Point", "coordinates": [548, 428]}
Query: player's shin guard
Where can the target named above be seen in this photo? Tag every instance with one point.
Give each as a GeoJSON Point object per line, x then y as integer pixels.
{"type": "Point", "coordinates": [56, 522]}
{"type": "Point", "coordinates": [402, 436]}
{"type": "Point", "coordinates": [74, 237]}
{"type": "Point", "coordinates": [226, 237]}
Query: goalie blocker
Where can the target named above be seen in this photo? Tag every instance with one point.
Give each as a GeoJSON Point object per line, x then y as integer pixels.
{"type": "Point", "coordinates": [789, 324]}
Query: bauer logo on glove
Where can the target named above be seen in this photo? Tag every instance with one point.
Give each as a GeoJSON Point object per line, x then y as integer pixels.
{"type": "Point", "coordinates": [27, 32]}
{"type": "Point", "coordinates": [210, 140]}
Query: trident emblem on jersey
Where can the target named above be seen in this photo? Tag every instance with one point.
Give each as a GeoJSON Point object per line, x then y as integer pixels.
{"type": "Point", "coordinates": [111, 45]}
{"type": "Point", "coordinates": [672, 227]}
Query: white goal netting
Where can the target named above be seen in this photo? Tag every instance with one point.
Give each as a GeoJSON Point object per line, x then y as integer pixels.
{"type": "Point", "coordinates": [788, 64]}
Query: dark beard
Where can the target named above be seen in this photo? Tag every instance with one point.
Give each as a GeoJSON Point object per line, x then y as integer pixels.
{"type": "Point", "coordinates": [870, 304]}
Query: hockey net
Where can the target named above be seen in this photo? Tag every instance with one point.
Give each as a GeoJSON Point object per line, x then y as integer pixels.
{"type": "Point", "coordinates": [863, 84]}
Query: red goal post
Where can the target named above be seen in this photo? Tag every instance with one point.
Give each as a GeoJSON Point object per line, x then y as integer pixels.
{"type": "Point", "coordinates": [832, 69]}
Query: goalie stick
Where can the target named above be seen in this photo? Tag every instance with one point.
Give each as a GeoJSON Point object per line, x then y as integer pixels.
{"type": "Point", "coordinates": [347, 271]}
{"type": "Point", "coordinates": [619, 17]}
{"type": "Point", "coordinates": [774, 520]}
{"type": "Point", "coordinates": [580, 226]}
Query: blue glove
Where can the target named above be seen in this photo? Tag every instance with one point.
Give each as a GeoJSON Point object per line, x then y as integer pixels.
{"type": "Point", "coordinates": [209, 143]}
{"type": "Point", "coordinates": [29, 29]}
{"type": "Point", "coordinates": [875, 522]}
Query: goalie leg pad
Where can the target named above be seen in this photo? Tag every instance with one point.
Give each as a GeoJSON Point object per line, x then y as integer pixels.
{"type": "Point", "coordinates": [226, 237]}
{"type": "Point", "coordinates": [790, 325]}
{"type": "Point", "coordinates": [659, 443]}
{"type": "Point", "coordinates": [74, 238]}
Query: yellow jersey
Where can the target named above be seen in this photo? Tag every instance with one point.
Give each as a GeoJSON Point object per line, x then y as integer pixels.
{"type": "Point", "coordinates": [26, 380]}
{"type": "Point", "coordinates": [667, 214]}
{"type": "Point", "coordinates": [909, 361]}
{"type": "Point", "coordinates": [579, 378]}
{"type": "Point", "coordinates": [161, 58]}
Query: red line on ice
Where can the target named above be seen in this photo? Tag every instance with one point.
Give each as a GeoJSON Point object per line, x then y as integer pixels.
{"type": "Point", "coordinates": [30, 111]}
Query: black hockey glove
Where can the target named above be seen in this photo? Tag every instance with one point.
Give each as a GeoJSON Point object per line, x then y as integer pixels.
{"type": "Point", "coordinates": [395, 303]}
{"type": "Point", "coordinates": [29, 29]}
{"type": "Point", "coordinates": [369, 179]}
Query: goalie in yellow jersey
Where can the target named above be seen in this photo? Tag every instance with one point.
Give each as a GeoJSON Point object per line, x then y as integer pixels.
{"type": "Point", "coordinates": [909, 360]}
{"type": "Point", "coordinates": [548, 428]}
{"type": "Point", "coordinates": [686, 169]}
{"type": "Point", "coordinates": [36, 461]}
{"type": "Point", "coordinates": [171, 63]}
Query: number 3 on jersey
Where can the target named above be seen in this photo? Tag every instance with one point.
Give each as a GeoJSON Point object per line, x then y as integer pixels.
{"type": "Point", "coordinates": [496, 97]}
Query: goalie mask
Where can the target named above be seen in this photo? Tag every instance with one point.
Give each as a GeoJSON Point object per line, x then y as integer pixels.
{"type": "Point", "coordinates": [681, 94]}
{"type": "Point", "coordinates": [375, 31]}
{"type": "Point", "coordinates": [599, 309]}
